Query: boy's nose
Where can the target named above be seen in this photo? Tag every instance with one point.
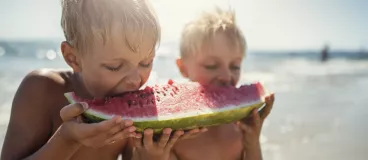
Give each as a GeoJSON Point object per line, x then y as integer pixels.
{"type": "Point", "coordinates": [133, 81]}
{"type": "Point", "coordinates": [224, 78]}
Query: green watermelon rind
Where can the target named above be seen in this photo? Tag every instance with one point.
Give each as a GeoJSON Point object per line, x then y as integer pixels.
{"type": "Point", "coordinates": [184, 123]}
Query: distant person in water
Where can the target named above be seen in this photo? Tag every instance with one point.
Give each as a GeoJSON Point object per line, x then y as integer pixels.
{"type": "Point", "coordinates": [212, 50]}
{"type": "Point", "coordinates": [110, 47]}
{"type": "Point", "coordinates": [324, 53]}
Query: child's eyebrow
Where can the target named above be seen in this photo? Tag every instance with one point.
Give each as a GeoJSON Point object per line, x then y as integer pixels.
{"type": "Point", "coordinates": [211, 57]}
{"type": "Point", "coordinates": [115, 60]}
{"type": "Point", "coordinates": [121, 59]}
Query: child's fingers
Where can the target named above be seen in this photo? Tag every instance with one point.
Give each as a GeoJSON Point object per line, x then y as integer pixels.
{"type": "Point", "coordinates": [164, 137]}
{"type": "Point", "coordinates": [267, 109]}
{"type": "Point", "coordinates": [147, 139]}
{"type": "Point", "coordinates": [124, 133]}
{"type": "Point", "coordinates": [121, 125]}
{"type": "Point", "coordinates": [193, 135]}
{"type": "Point", "coordinates": [189, 133]}
{"type": "Point", "coordinates": [173, 140]}
{"type": "Point", "coordinates": [97, 128]}
{"type": "Point", "coordinates": [244, 127]}
{"type": "Point", "coordinates": [116, 128]}
{"type": "Point", "coordinates": [138, 140]}
{"type": "Point", "coordinates": [126, 123]}
{"type": "Point", "coordinates": [202, 130]}
{"type": "Point", "coordinates": [72, 111]}
{"type": "Point", "coordinates": [256, 118]}
{"type": "Point", "coordinates": [107, 125]}
{"type": "Point", "coordinates": [119, 136]}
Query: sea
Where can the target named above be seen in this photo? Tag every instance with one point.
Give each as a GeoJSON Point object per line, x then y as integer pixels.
{"type": "Point", "coordinates": [320, 112]}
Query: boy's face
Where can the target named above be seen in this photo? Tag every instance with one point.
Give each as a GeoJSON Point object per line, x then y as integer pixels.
{"type": "Point", "coordinates": [112, 68]}
{"type": "Point", "coordinates": [219, 64]}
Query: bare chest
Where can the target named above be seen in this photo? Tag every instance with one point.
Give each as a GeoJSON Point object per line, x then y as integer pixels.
{"type": "Point", "coordinates": [213, 145]}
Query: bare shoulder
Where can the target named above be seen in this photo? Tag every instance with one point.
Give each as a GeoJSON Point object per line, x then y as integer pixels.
{"type": "Point", "coordinates": [38, 98]}
{"type": "Point", "coordinates": [43, 87]}
{"type": "Point", "coordinates": [46, 79]}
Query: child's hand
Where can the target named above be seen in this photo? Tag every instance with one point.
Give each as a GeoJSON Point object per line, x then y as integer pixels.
{"type": "Point", "coordinates": [162, 149]}
{"type": "Point", "coordinates": [252, 126]}
{"type": "Point", "coordinates": [96, 134]}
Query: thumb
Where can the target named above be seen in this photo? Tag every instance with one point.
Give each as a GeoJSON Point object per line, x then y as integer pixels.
{"type": "Point", "coordinates": [244, 127]}
{"type": "Point", "coordinates": [73, 110]}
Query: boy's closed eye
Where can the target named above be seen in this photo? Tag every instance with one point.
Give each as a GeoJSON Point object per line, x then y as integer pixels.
{"type": "Point", "coordinates": [235, 67]}
{"type": "Point", "coordinates": [113, 68]}
{"type": "Point", "coordinates": [215, 66]}
{"type": "Point", "coordinates": [146, 64]}
{"type": "Point", "coordinates": [117, 67]}
{"type": "Point", "coordinates": [210, 66]}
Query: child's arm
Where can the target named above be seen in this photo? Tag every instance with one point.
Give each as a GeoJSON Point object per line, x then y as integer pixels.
{"type": "Point", "coordinates": [30, 126]}
{"type": "Point", "coordinates": [251, 128]}
{"type": "Point", "coordinates": [253, 152]}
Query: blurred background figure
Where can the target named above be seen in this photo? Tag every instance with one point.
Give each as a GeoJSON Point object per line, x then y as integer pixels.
{"type": "Point", "coordinates": [321, 109]}
{"type": "Point", "coordinates": [324, 53]}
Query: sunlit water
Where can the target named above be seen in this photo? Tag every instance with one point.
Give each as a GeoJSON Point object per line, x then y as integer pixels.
{"type": "Point", "coordinates": [320, 110]}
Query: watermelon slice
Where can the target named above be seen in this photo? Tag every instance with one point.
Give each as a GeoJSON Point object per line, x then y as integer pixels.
{"type": "Point", "coordinates": [177, 105]}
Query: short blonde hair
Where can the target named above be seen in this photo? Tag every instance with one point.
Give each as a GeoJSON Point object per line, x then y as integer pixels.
{"type": "Point", "coordinates": [84, 21]}
{"type": "Point", "coordinates": [200, 31]}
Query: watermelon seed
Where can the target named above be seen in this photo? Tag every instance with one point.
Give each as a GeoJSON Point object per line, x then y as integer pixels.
{"type": "Point", "coordinates": [153, 101]}
{"type": "Point", "coordinates": [164, 93]}
{"type": "Point", "coordinates": [129, 103]}
{"type": "Point", "coordinates": [174, 90]}
{"type": "Point", "coordinates": [142, 96]}
{"type": "Point", "coordinates": [172, 95]}
{"type": "Point", "coordinates": [158, 92]}
{"type": "Point", "coordinates": [140, 103]}
{"type": "Point", "coordinates": [165, 88]}
{"type": "Point", "coordinates": [158, 99]}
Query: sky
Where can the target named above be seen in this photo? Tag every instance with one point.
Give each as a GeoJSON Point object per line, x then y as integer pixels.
{"type": "Point", "coordinates": [267, 24]}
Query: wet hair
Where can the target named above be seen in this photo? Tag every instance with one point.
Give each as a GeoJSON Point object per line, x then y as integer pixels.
{"type": "Point", "coordinates": [200, 31]}
{"type": "Point", "coordinates": [85, 22]}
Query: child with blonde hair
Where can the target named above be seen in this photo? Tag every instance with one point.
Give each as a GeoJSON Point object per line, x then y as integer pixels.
{"type": "Point", "coordinates": [212, 49]}
{"type": "Point", "coordinates": [110, 47]}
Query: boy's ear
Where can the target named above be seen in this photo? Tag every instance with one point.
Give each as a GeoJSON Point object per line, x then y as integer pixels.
{"type": "Point", "coordinates": [70, 57]}
{"type": "Point", "coordinates": [182, 67]}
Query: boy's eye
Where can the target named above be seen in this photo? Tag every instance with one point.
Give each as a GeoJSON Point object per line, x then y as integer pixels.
{"type": "Point", "coordinates": [210, 67]}
{"type": "Point", "coordinates": [235, 68]}
{"type": "Point", "coordinates": [114, 69]}
{"type": "Point", "coordinates": [146, 65]}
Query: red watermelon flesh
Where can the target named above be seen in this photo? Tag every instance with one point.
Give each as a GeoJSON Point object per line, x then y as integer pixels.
{"type": "Point", "coordinates": [177, 105]}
